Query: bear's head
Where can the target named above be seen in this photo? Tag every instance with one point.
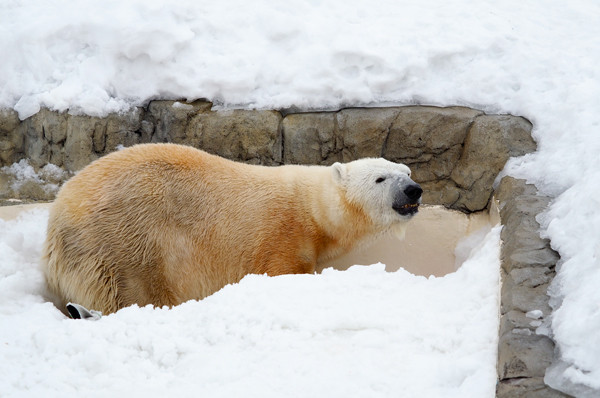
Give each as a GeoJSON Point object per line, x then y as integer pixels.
{"type": "Point", "coordinates": [383, 189]}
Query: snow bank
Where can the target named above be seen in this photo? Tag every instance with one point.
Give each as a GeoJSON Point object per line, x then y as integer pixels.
{"type": "Point", "coordinates": [535, 59]}
{"type": "Point", "coordinates": [573, 223]}
{"type": "Point", "coordinates": [361, 332]}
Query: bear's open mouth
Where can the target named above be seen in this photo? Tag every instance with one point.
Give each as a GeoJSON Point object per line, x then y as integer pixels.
{"type": "Point", "coordinates": [407, 209]}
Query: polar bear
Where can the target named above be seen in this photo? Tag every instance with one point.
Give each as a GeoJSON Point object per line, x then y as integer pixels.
{"type": "Point", "coordinates": [162, 224]}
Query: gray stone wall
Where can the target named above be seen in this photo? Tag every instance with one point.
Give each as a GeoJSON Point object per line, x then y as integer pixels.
{"type": "Point", "coordinates": [528, 266]}
{"type": "Point", "coordinates": [455, 153]}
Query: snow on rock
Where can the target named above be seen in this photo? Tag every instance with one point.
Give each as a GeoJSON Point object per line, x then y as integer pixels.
{"type": "Point", "coordinates": [22, 172]}
{"type": "Point", "coordinates": [361, 332]}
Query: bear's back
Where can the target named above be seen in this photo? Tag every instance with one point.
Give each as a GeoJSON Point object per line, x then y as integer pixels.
{"type": "Point", "coordinates": [161, 224]}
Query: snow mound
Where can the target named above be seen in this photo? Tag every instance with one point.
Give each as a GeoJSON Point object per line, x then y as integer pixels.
{"type": "Point", "coordinates": [361, 332]}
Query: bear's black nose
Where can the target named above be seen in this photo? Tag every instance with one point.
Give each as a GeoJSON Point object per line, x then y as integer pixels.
{"type": "Point", "coordinates": [413, 192]}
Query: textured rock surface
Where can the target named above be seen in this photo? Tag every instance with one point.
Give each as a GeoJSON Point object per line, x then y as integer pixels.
{"type": "Point", "coordinates": [527, 268]}
{"type": "Point", "coordinates": [491, 141]}
{"type": "Point", "coordinates": [167, 121]}
{"type": "Point", "coordinates": [524, 354]}
{"type": "Point", "coordinates": [310, 138]}
{"type": "Point", "coordinates": [533, 387]}
{"type": "Point", "coordinates": [11, 141]}
{"type": "Point", "coordinates": [431, 141]}
{"type": "Point", "coordinates": [363, 132]}
{"type": "Point", "coordinates": [455, 152]}
{"type": "Point", "coordinates": [248, 136]}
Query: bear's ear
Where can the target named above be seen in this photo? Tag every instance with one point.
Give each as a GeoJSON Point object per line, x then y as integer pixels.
{"type": "Point", "coordinates": [339, 172]}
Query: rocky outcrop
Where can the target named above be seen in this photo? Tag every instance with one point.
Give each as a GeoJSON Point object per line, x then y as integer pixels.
{"type": "Point", "coordinates": [455, 153]}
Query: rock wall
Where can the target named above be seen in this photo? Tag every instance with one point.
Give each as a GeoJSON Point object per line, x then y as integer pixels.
{"type": "Point", "coordinates": [455, 153]}
{"type": "Point", "coordinates": [528, 266]}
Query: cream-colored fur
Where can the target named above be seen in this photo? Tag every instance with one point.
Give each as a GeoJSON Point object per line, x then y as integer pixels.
{"type": "Point", "coordinates": [162, 224]}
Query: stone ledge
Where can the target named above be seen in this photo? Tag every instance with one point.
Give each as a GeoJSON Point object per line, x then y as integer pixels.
{"type": "Point", "coordinates": [528, 264]}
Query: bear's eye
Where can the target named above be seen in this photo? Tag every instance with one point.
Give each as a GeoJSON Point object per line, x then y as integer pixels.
{"type": "Point", "coordinates": [380, 179]}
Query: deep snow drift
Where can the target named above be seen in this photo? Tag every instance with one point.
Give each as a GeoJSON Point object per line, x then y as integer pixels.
{"type": "Point", "coordinates": [360, 332]}
{"type": "Point", "coordinates": [535, 59]}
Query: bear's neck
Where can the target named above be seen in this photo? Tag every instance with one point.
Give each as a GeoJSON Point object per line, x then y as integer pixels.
{"type": "Point", "coordinates": [339, 224]}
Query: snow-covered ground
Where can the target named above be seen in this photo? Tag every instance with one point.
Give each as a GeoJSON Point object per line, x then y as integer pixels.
{"type": "Point", "coordinates": [361, 332]}
{"type": "Point", "coordinates": [538, 59]}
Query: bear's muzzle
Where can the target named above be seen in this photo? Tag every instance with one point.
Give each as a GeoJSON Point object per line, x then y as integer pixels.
{"type": "Point", "coordinates": [406, 202]}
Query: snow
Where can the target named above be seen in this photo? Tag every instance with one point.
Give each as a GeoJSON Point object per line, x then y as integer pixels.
{"type": "Point", "coordinates": [360, 332]}
{"type": "Point", "coordinates": [535, 59]}
{"type": "Point", "coordinates": [534, 314]}
{"type": "Point", "coordinates": [22, 172]}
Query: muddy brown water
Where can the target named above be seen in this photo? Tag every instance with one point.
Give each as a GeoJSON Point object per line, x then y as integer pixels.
{"type": "Point", "coordinates": [11, 212]}
{"type": "Point", "coordinates": [428, 247]}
